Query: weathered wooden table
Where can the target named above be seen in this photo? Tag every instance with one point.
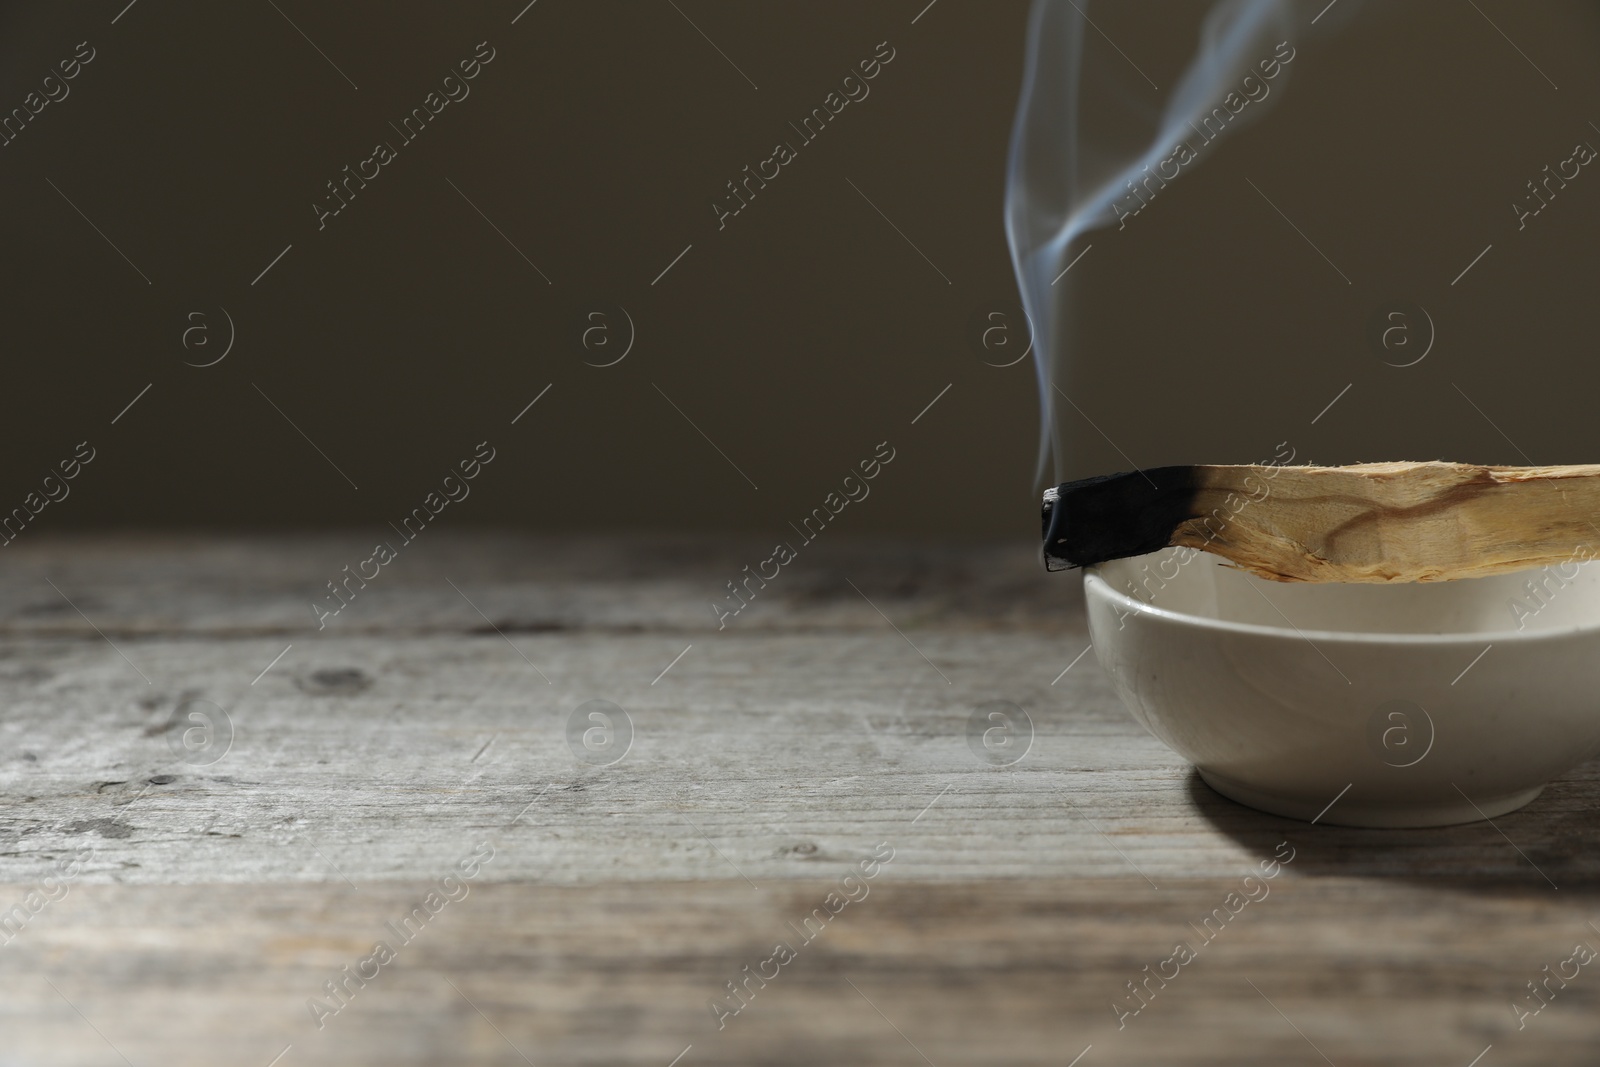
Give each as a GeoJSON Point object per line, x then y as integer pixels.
{"type": "Point", "coordinates": [208, 836]}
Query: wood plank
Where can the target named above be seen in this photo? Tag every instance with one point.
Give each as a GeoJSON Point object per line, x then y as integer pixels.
{"type": "Point", "coordinates": [151, 585]}
{"type": "Point", "coordinates": [993, 972]}
{"type": "Point", "coordinates": [779, 752]}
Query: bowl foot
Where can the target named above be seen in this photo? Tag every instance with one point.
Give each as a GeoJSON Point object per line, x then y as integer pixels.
{"type": "Point", "coordinates": [1351, 811]}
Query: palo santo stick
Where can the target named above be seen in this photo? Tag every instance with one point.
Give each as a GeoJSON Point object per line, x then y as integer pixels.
{"type": "Point", "coordinates": [1375, 522]}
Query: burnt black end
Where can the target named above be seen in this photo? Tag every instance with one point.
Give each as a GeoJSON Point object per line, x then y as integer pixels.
{"type": "Point", "coordinates": [1115, 515]}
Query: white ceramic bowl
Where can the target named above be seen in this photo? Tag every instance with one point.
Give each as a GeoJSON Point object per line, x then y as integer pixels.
{"type": "Point", "coordinates": [1413, 704]}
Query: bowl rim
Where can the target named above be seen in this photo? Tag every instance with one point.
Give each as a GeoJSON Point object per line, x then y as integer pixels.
{"type": "Point", "coordinates": [1096, 584]}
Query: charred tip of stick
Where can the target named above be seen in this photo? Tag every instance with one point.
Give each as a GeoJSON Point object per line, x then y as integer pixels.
{"type": "Point", "coordinates": [1112, 516]}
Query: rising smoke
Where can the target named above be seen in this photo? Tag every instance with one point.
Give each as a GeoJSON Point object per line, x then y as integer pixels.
{"type": "Point", "coordinates": [1095, 140]}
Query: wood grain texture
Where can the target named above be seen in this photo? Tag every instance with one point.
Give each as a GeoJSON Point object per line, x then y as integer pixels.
{"type": "Point", "coordinates": [766, 763]}
{"type": "Point", "coordinates": [997, 972]}
{"type": "Point", "coordinates": [1395, 522]}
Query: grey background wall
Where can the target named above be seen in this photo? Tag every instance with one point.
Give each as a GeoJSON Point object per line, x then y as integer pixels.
{"type": "Point", "coordinates": [579, 177]}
